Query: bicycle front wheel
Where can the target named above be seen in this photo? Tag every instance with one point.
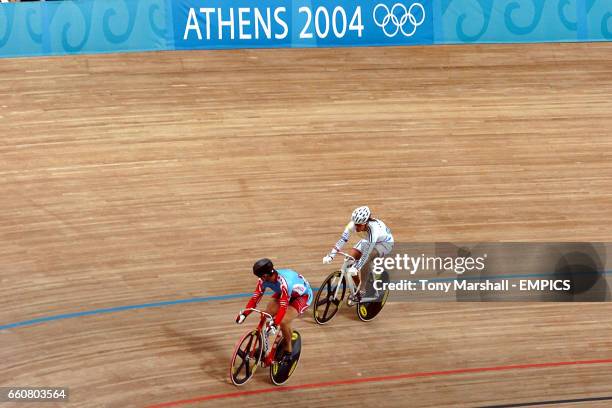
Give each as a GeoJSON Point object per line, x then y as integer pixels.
{"type": "Point", "coordinates": [329, 298]}
{"type": "Point", "coordinates": [246, 357]}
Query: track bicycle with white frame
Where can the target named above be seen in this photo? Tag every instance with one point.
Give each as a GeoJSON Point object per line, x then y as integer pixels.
{"type": "Point", "coordinates": [331, 294]}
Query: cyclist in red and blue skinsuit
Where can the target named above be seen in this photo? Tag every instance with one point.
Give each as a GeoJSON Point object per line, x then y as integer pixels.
{"type": "Point", "coordinates": [290, 289]}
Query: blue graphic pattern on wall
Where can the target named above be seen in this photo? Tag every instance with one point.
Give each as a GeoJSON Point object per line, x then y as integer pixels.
{"type": "Point", "coordinates": [92, 26]}
{"type": "Point", "coordinates": [469, 21]}
{"type": "Point", "coordinates": [88, 26]}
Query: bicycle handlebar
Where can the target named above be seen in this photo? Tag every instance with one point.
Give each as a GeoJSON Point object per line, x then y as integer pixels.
{"type": "Point", "coordinates": [346, 255]}
{"type": "Point", "coordinates": [266, 314]}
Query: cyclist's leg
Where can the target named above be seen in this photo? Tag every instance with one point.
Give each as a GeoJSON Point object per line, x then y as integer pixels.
{"type": "Point", "coordinates": [367, 267]}
{"type": "Point", "coordinates": [380, 250]}
{"type": "Point", "coordinates": [297, 306]}
{"type": "Point", "coordinates": [272, 308]}
{"type": "Point", "coordinates": [356, 252]}
{"type": "Point", "coordinates": [285, 327]}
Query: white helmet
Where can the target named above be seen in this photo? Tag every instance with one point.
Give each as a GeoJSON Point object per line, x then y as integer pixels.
{"type": "Point", "coordinates": [361, 215]}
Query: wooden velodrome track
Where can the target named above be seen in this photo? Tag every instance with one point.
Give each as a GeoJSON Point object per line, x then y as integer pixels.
{"type": "Point", "coordinates": [140, 178]}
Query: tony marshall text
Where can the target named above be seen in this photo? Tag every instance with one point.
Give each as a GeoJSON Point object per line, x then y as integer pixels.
{"type": "Point", "coordinates": [487, 285]}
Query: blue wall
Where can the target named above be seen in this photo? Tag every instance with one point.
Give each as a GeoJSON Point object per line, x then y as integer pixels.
{"type": "Point", "coordinates": [66, 27]}
{"type": "Point", "coordinates": [91, 26]}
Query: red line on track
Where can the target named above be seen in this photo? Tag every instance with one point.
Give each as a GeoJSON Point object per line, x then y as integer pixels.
{"type": "Point", "coordinates": [374, 379]}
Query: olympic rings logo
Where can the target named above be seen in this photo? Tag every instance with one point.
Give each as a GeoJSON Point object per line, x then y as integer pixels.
{"type": "Point", "coordinates": [400, 18]}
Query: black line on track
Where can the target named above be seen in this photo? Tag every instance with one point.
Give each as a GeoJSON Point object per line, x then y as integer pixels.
{"type": "Point", "coordinates": [549, 402]}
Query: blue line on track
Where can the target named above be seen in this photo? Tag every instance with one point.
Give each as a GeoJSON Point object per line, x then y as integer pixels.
{"type": "Point", "coordinates": [213, 298]}
{"type": "Point", "coordinates": [123, 308]}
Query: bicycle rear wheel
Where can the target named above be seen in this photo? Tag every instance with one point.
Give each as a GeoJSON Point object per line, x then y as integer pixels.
{"type": "Point", "coordinates": [246, 357]}
{"type": "Point", "coordinates": [326, 302]}
{"type": "Point", "coordinates": [367, 311]}
{"type": "Point", "coordinates": [279, 372]}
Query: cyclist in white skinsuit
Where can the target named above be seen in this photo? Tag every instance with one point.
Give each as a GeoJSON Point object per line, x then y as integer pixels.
{"type": "Point", "coordinates": [376, 241]}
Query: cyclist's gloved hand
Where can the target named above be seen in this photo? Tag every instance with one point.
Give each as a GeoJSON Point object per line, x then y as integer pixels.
{"type": "Point", "coordinates": [240, 318]}
{"type": "Point", "coordinates": [328, 259]}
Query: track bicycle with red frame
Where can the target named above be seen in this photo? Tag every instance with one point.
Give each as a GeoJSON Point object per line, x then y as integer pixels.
{"type": "Point", "coordinates": [255, 349]}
